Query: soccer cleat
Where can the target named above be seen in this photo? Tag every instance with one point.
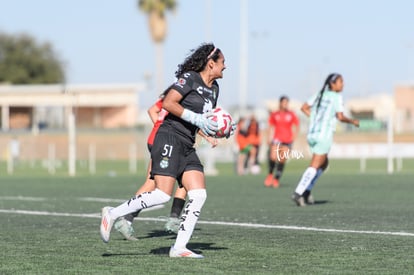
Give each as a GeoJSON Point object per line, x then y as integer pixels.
{"type": "Point", "coordinates": [172, 225]}
{"type": "Point", "coordinates": [275, 183]}
{"type": "Point", "coordinates": [125, 228]}
{"type": "Point", "coordinates": [184, 253]}
{"type": "Point", "coordinates": [307, 196]}
{"type": "Point", "coordinates": [299, 200]}
{"type": "Point", "coordinates": [106, 224]}
{"type": "Point", "coordinates": [309, 199]}
{"type": "Point", "coordinates": [269, 180]}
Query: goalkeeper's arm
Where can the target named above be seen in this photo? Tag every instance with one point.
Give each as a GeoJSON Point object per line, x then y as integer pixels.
{"type": "Point", "coordinates": [171, 103]}
{"type": "Point", "coordinates": [207, 126]}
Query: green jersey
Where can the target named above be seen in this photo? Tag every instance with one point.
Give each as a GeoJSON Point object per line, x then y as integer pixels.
{"type": "Point", "coordinates": [323, 121]}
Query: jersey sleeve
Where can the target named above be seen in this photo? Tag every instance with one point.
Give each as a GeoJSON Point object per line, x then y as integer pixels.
{"type": "Point", "coordinates": [159, 103]}
{"type": "Point", "coordinates": [312, 99]}
{"type": "Point", "coordinates": [184, 84]}
{"type": "Point", "coordinates": [339, 104]}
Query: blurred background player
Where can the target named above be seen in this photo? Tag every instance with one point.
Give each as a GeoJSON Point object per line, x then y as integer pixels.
{"type": "Point", "coordinates": [282, 131]}
{"type": "Point", "coordinates": [323, 108]}
{"type": "Point", "coordinates": [254, 138]}
{"type": "Point", "coordinates": [246, 150]}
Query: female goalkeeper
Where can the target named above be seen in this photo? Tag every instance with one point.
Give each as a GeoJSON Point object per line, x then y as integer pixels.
{"type": "Point", "coordinates": [189, 103]}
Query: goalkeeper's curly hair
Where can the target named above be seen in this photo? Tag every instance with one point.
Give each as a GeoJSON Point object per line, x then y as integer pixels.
{"type": "Point", "coordinates": [198, 58]}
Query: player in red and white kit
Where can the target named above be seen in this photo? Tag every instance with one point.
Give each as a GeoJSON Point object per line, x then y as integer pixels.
{"type": "Point", "coordinates": [283, 129]}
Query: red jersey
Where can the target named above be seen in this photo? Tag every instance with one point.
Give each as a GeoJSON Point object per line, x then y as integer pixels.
{"type": "Point", "coordinates": [282, 121]}
{"type": "Point", "coordinates": [161, 115]}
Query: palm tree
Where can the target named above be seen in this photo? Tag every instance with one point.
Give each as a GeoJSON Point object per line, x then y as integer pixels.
{"type": "Point", "coordinates": [157, 22]}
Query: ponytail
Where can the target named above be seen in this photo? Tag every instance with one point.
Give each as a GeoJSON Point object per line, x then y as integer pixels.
{"type": "Point", "coordinates": [330, 79]}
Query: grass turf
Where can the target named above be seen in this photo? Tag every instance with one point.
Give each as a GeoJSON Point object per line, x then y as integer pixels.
{"type": "Point", "coordinates": [347, 200]}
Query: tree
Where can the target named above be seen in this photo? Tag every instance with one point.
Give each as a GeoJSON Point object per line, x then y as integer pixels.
{"type": "Point", "coordinates": [157, 22]}
{"type": "Point", "coordinates": [23, 60]}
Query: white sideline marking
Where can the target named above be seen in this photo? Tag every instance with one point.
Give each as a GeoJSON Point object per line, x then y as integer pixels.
{"type": "Point", "coordinates": [24, 198]}
{"type": "Point", "coordinates": [304, 228]}
{"type": "Point", "coordinates": [60, 214]}
{"type": "Point", "coordinates": [90, 199]}
{"type": "Point", "coordinates": [251, 225]}
{"type": "Point", "coordinates": [47, 213]}
{"type": "Point", "coordinates": [101, 200]}
{"type": "Point", "coordinates": [21, 198]}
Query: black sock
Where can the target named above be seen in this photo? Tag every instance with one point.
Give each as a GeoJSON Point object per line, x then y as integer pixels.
{"type": "Point", "coordinates": [177, 207]}
{"type": "Point", "coordinates": [130, 217]}
{"type": "Point", "coordinates": [256, 157]}
{"type": "Point", "coordinates": [272, 165]}
{"type": "Point", "coordinates": [279, 170]}
{"type": "Point", "coordinates": [306, 195]}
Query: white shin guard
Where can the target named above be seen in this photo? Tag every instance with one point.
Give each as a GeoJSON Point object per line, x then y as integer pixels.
{"type": "Point", "coordinates": [196, 199]}
{"type": "Point", "coordinates": [141, 201]}
{"type": "Point", "coordinates": [306, 180]}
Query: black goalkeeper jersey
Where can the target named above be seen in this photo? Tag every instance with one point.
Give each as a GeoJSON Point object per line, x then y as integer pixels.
{"type": "Point", "coordinates": [197, 97]}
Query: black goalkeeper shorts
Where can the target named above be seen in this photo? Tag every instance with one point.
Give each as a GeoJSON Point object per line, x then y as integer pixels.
{"type": "Point", "coordinates": [171, 156]}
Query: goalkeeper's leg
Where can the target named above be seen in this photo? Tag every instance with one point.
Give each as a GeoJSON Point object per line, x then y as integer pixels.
{"type": "Point", "coordinates": [173, 222]}
{"type": "Point", "coordinates": [160, 195]}
{"type": "Point", "coordinates": [193, 181]}
{"type": "Point", "coordinates": [124, 224]}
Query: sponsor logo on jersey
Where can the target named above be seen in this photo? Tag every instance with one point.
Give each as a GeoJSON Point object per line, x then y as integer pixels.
{"type": "Point", "coordinates": [202, 89]}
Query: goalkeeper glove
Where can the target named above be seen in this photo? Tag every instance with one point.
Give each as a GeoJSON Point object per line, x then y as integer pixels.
{"type": "Point", "coordinates": [206, 125]}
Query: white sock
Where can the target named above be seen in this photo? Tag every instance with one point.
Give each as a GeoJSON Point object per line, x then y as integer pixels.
{"type": "Point", "coordinates": [141, 201]}
{"type": "Point", "coordinates": [312, 184]}
{"type": "Point", "coordinates": [196, 199]}
{"type": "Point", "coordinates": [306, 180]}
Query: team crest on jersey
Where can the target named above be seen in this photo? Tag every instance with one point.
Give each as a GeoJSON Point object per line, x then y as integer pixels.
{"type": "Point", "coordinates": [164, 163]}
{"type": "Point", "coordinates": [181, 82]}
{"type": "Point", "coordinates": [208, 105]}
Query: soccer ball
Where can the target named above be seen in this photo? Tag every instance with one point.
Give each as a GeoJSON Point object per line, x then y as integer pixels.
{"type": "Point", "coordinates": [224, 120]}
{"type": "Point", "coordinates": [255, 169]}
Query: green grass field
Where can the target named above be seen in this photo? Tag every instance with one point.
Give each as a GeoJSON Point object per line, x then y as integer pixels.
{"type": "Point", "coordinates": [370, 218]}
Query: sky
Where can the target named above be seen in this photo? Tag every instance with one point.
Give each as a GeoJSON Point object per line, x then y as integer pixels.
{"type": "Point", "coordinates": [292, 45]}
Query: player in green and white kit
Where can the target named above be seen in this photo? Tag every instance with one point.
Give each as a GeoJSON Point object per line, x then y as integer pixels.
{"type": "Point", "coordinates": [324, 109]}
